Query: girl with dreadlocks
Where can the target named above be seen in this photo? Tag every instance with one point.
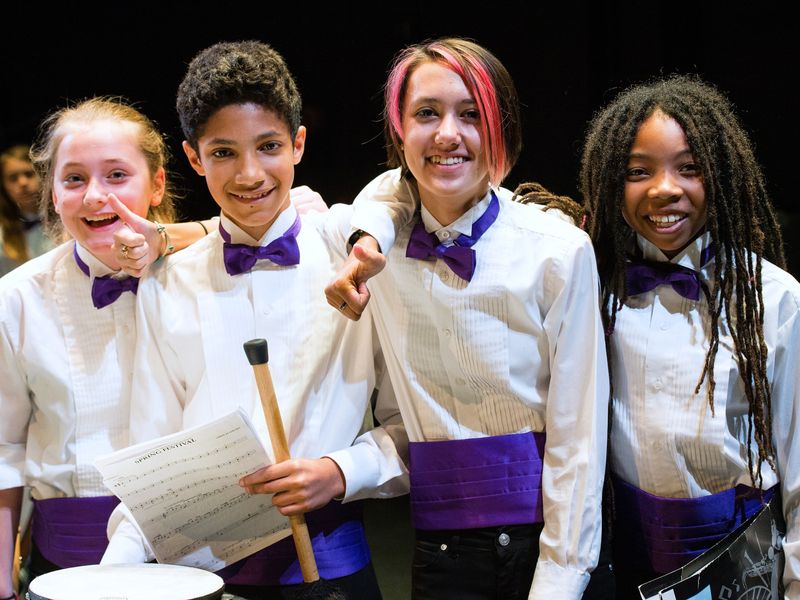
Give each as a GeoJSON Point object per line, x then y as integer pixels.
{"type": "Point", "coordinates": [702, 327]}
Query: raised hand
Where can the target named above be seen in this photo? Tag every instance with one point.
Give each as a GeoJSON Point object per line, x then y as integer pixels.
{"type": "Point", "coordinates": [138, 243]}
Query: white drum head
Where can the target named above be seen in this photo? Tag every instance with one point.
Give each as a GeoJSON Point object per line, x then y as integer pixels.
{"type": "Point", "coordinates": [127, 582]}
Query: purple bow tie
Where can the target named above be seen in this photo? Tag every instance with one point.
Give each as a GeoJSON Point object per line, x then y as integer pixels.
{"type": "Point", "coordinates": [644, 275]}
{"type": "Point", "coordinates": [459, 256]}
{"type": "Point", "coordinates": [106, 289]}
{"type": "Point", "coordinates": [283, 251]}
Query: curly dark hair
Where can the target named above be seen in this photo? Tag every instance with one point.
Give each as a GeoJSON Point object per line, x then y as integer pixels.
{"type": "Point", "coordinates": [741, 221]}
{"type": "Point", "coordinates": [236, 73]}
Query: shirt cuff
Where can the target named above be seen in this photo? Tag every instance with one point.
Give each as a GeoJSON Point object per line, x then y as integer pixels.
{"type": "Point", "coordinates": [359, 469]}
{"type": "Point", "coordinates": [126, 543]}
{"type": "Point", "coordinates": [12, 466]}
{"type": "Point", "coordinates": [372, 219]}
{"type": "Point", "coordinates": [551, 580]}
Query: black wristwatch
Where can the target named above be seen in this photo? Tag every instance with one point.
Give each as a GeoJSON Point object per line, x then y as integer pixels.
{"type": "Point", "coordinates": [351, 241]}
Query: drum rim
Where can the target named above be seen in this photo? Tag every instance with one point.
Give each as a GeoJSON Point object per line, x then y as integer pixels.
{"type": "Point", "coordinates": [212, 595]}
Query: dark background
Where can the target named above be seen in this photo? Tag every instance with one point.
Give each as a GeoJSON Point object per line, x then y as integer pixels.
{"type": "Point", "coordinates": [567, 59]}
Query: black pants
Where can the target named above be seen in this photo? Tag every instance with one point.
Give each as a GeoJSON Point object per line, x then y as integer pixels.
{"type": "Point", "coordinates": [629, 579]}
{"type": "Point", "coordinates": [475, 564]}
{"type": "Point", "coordinates": [602, 584]}
{"type": "Point", "coordinates": [361, 585]}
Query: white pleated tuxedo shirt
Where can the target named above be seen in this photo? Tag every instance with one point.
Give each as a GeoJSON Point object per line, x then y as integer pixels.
{"type": "Point", "coordinates": [664, 439]}
{"type": "Point", "coordinates": [190, 366]}
{"type": "Point", "coordinates": [65, 370]}
{"type": "Point", "coordinates": [518, 348]}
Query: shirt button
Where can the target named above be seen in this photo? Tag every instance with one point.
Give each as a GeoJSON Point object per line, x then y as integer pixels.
{"type": "Point", "coordinates": [460, 381]}
{"type": "Point", "coordinates": [658, 384]}
{"type": "Point", "coordinates": [503, 539]}
{"type": "Point", "coordinates": [445, 235]}
{"type": "Point", "coordinates": [664, 326]}
{"type": "Point", "coordinates": [446, 332]}
{"type": "Point", "coordinates": [443, 547]}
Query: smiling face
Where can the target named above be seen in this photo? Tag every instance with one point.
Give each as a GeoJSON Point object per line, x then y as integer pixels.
{"type": "Point", "coordinates": [442, 141]}
{"type": "Point", "coordinates": [665, 200]}
{"type": "Point", "coordinates": [247, 156]}
{"type": "Point", "coordinates": [21, 183]}
{"type": "Point", "coordinates": [94, 160]}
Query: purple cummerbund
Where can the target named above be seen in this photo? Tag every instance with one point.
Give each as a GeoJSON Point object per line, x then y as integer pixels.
{"type": "Point", "coordinates": [340, 547]}
{"type": "Point", "coordinates": [663, 534]}
{"type": "Point", "coordinates": [71, 532]}
{"type": "Point", "coordinates": [479, 482]}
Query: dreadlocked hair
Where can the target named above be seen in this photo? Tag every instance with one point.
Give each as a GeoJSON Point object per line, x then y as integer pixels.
{"type": "Point", "coordinates": [535, 193]}
{"type": "Point", "coordinates": [741, 221]}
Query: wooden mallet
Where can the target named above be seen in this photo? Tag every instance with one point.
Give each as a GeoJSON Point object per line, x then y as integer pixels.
{"type": "Point", "coordinates": [258, 355]}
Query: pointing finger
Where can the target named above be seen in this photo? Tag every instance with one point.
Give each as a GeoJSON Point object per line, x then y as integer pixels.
{"type": "Point", "coordinates": [125, 214]}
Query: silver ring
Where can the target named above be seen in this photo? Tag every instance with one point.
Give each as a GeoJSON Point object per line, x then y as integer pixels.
{"type": "Point", "coordinates": [123, 250]}
{"type": "Point", "coordinates": [343, 305]}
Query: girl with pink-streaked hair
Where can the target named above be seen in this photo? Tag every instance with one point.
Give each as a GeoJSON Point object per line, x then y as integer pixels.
{"type": "Point", "coordinates": [487, 316]}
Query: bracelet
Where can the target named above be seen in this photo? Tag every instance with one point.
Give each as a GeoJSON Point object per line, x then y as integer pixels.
{"type": "Point", "coordinates": [168, 247]}
{"type": "Point", "coordinates": [203, 225]}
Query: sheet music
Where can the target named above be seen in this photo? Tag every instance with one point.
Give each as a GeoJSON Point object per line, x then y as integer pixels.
{"type": "Point", "coordinates": [747, 564]}
{"type": "Point", "coordinates": [183, 491]}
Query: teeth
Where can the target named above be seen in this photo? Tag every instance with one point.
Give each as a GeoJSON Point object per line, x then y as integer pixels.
{"type": "Point", "coordinates": [665, 219]}
{"type": "Point", "coordinates": [251, 196]}
{"type": "Point", "coordinates": [451, 160]}
{"type": "Point", "coordinates": [105, 217]}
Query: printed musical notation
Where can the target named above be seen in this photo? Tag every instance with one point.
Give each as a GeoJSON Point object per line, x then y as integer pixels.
{"type": "Point", "coordinates": [183, 490]}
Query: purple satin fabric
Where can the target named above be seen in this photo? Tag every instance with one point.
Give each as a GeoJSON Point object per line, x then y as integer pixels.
{"type": "Point", "coordinates": [480, 482]}
{"type": "Point", "coordinates": [283, 251]}
{"type": "Point", "coordinates": [106, 289]}
{"type": "Point", "coordinates": [644, 275]}
{"type": "Point", "coordinates": [71, 532]}
{"type": "Point", "coordinates": [459, 256]}
{"type": "Point", "coordinates": [663, 534]}
{"type": "Point", "coordinates": [340, 548]}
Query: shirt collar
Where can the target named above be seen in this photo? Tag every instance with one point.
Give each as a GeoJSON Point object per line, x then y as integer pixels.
{"type": "Point", "coordinates": [461, 225]}
{"type": "Point", "coordinates": [96, 267]}
{"type": "Point", "coordinates": [284, 220]}
{"type": "Point", "coordinates": [691, 257]}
